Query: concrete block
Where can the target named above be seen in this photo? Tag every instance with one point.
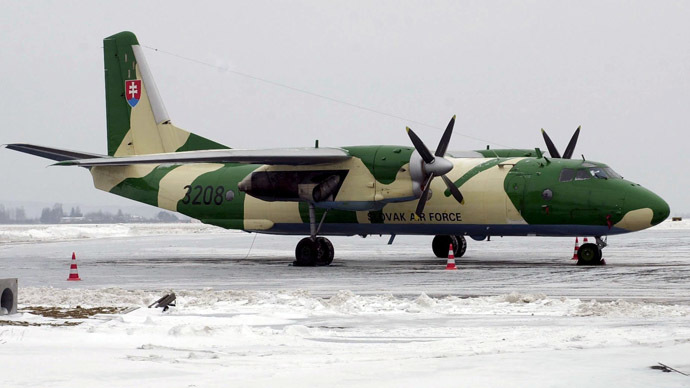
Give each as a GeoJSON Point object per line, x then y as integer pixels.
{"type": "Point", "coordinates": [8, 296]}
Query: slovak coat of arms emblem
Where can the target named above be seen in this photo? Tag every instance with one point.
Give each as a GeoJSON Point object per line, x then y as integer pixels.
{"type": "Point", "coordinates": [133, 91]}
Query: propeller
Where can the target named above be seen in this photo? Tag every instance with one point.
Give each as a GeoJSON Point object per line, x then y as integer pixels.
{"type": "Point", "coordinates": [430, 166]}
{"type": "Point", "coordinates": [568, 150]}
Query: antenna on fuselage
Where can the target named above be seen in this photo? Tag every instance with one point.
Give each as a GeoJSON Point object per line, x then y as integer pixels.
{"type": "Point", "coordinates": [489, 149]}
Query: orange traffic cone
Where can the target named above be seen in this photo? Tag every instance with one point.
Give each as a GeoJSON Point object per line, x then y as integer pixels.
{"type": "Point", "coordinates": [73, 274]}
{"type": "Point", "coordinates": [577, 248]}
{"type": "Point", "coordinates": [585, 241]}
{"type": "Point", "coordinates": [451, 259]}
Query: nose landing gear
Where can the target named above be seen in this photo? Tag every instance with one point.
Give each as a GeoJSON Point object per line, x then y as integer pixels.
{"type": "Point", "coordinates": [590, 254]}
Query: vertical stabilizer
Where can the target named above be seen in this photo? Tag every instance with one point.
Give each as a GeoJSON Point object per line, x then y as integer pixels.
{"type": "Point", "coordinates": [137, 120]}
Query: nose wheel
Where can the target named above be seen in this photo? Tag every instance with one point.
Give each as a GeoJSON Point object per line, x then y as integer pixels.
{"type": "Point", "coordinates": [590, 254]}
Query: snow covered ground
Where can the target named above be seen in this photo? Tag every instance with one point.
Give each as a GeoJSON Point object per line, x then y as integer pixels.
{"type": "Point", "coordinates": [519, 312]}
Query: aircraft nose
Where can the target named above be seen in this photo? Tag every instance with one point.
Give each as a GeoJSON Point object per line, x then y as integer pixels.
{"type": "Point", "coordinates": [644, 209]}
{"type": "Point", "coordinates": [660, 209]}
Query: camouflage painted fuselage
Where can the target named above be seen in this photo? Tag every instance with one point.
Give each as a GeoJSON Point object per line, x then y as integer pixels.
{"type": "Point", "coordinates": [503, 196]}
{"type": "Point", "coordinates": [507, 192]}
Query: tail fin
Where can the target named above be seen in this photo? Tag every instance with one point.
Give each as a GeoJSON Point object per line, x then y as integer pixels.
{"type": "Point", "coordinates": [137, 121]}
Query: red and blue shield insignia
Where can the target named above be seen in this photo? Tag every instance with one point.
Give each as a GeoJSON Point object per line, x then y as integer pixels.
{"type": "Point", "coordinates": [133, 91]}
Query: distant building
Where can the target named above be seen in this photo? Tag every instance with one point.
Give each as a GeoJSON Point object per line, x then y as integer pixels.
{"type": "Point", "coordinates": [72, 220]}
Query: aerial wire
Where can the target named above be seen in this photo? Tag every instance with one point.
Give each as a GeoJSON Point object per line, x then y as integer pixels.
{"type": "Point", "coordinates": [317, 95]}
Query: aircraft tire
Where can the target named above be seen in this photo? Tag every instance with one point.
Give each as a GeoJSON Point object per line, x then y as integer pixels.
{"type": "Point", "coordinates": [589, 254]}
{"type": "Point", "coordinates": [460, 248]}
{"type": "Point", "coordinates": [440, 245]}
{"type": "Point", "coordinates": [306, 253]}
{"type": "Point", "coordinates": [326, 251]}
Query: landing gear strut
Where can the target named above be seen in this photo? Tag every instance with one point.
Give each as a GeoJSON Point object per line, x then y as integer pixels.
{"type": "Point", "coordinates": [590, 254]}
{"type": "Point", "coordinates": [441, 242]}
{"type": "Point", "coordinates": [314, 251]}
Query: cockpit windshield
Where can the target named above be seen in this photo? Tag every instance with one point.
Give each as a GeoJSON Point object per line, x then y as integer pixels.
{"type": "Point", "coordinates": [598, 173]}
{"type": "Point", "coordinates": [612, 174]}
{"type": "Point", "coordinates": [568, 174]}
{"type": "Point", "coordinates": [604, 173]}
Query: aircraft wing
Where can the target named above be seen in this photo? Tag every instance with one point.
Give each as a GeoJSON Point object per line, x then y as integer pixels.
{"type": "Point", "coordinates": [286, 156]}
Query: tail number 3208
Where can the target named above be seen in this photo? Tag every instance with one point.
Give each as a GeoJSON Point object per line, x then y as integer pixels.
{"type": "Point", "coordinates": [203, 195]}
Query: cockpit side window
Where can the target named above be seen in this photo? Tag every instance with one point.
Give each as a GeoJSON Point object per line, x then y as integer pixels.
{"type": "Point", "coordinates": [567, 175]}
{"type": "Point", "coordinates": [582, 174]}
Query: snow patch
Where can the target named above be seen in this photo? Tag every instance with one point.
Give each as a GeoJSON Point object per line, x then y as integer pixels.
{"type": "Point", "coordinates": [300, 302]}
{"type": "Point", "coordinates": [622, 308]}
{"type": "Point", "coordinates": [515, 297]}
{"type": "Point", "coordinates": [49, 233]}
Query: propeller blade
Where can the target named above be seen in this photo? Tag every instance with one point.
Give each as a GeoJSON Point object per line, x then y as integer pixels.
{"type": "Point", "coordinates": [571, 146]}
{"type": "Point", "coordinates": [425, 195]}
{"type": "Point", "coordinates": [453, 190]}
{"type": "Point", "coordinates": [549, 144]}
{"type": "Point", "coordinates": [420, 147]}
{"type": "Point", "coordinates": [445, 139]}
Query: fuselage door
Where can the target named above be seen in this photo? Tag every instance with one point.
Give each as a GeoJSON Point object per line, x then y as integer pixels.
{"type": "Point", "coordinates": [515, 199]}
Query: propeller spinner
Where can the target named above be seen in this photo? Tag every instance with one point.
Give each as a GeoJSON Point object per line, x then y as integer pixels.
{"type": "Point", "coordinates": [430, 166]}
{"type": "Point", "coordinates": [568, 150]}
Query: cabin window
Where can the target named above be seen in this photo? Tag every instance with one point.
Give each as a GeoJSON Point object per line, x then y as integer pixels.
{"type": "Point", "coordinates": [547, 194]}
{"type": "Point", "coordinates": [567, 175]}
{"type": "Point", "coordinates": [229, 195]}
{"type": "Point", "coordinates": [582, 174]}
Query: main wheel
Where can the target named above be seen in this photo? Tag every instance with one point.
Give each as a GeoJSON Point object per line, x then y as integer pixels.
{"type": "Point", "coordinates": [307, 252]}
{"type": "Point", "coordinates": [461, 247]}
{"type": "Point", "coordinates": [326, 251]}
{"type": "Point", "coordinates": [589, 254]}
{"type": "Point", "coordinates": [441, 243]}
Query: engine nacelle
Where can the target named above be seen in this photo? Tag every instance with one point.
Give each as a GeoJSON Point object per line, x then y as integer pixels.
{"type": "Point", "coordinates": [295, 186]}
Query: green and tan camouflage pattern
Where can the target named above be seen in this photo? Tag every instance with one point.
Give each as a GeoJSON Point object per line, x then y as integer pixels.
{"type": "Point", "coordinates": [503, 191]}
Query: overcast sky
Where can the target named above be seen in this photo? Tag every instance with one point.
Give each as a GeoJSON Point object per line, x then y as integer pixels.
{"type": "Point", "coordinates": [507, 69]}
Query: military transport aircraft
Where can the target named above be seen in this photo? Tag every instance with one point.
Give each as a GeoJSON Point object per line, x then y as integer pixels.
{"type": "Point", "coordinates": [359, 190]}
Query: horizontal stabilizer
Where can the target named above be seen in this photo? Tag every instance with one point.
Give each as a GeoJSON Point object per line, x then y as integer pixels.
{"type": "Point", "coordinates": [51, 153]}
{"type": "Point", "coordinates": [284, 156]}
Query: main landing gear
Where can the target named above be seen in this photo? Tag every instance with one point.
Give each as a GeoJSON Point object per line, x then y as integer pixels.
{"type": "Point", "coordinates": [314, 251]}
{"type": "Point", "coordinates": [590, 254]}
{"type": "Point", "coordinates": [441, 243]}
